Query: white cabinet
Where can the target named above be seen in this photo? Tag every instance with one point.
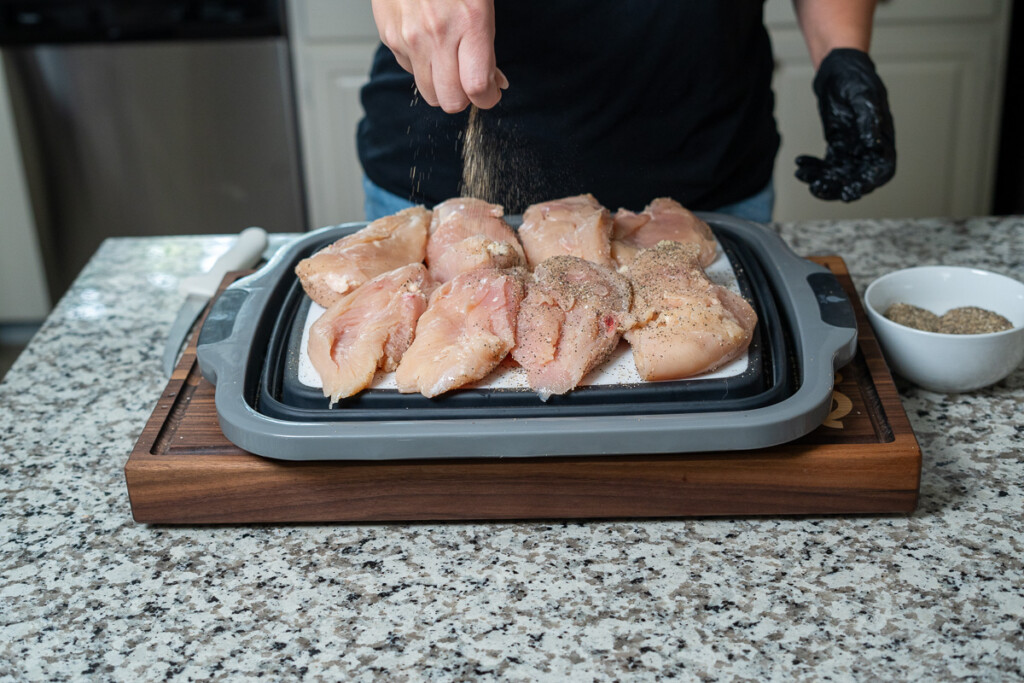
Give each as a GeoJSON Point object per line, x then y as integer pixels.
{"type": "Point", "coordinates": [943, 63]}
{"type": "Point", "coordinates": [330, 110]}
{"type": "Point", "coordinates": [942, 60]}
{"type": "Point", "coordinates": [332, 48]}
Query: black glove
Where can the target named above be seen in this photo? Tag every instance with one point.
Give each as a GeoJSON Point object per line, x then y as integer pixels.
{"type": "Point", "coordinates": [858, 128]}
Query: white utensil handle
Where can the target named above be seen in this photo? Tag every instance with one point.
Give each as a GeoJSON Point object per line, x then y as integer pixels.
{"type": "Point", "coordinates": [244, 253]}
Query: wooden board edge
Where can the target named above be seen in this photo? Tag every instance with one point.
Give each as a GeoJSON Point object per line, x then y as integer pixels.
{"type": "Point", "coordinates": [149, 477]}
{"type": "Point", "coordinates": [234, 488]}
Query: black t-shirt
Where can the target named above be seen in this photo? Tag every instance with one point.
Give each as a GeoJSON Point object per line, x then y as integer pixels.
{"type": "Point", "coordinates": [626, 100]}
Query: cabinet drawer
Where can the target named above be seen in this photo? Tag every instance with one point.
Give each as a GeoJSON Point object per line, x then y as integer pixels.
{"type": "Point", "coordinates": [780, 12]}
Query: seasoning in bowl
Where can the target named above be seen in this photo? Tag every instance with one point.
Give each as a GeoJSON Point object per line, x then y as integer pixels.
{"type": "Point", "coordinates": [962, 320]}
{"type": "Point", "coordinates": [913, 316]}
{"type": "Point", "coordinates": [972, 320]}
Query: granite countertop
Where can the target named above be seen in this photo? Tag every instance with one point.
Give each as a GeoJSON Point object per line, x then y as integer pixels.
{"type": "Point", "coordinates": [86, 593]}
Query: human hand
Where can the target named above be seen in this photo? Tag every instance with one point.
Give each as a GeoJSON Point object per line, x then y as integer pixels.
{"type": "Point", "coordinates": [448, 46]}
{"type": "Point", "coordinates": [854, 108]}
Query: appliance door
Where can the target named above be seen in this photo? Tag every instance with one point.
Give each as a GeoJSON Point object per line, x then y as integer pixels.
{"type": "Point", "coordinates": [155, 138]}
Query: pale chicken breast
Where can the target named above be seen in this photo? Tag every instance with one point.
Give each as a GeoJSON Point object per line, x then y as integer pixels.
{"type": "Point", "coordinates": [570, 321]}
{"type": "Point", "coordinates": [466, 234]}
{"type": "Point", "coordinates": [572, 226]}
{"type": "Point", "coordinates": [662, 219]}
{"type": "Point", "coordinates": [685, 324]}
{"type": "Point", "coordinates": [383, 245]}
{"type": "Point", "coordinates": [368, 329]}
{"type": "Point", "coordinates": [467, 329]}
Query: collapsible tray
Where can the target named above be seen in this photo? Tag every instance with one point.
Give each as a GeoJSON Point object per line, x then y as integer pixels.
{"type": "Point", "coordinates": [250, 343]}
{"type": "Point", "coordinates": [767, 378]}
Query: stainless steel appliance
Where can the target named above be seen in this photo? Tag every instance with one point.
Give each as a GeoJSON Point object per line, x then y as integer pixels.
{"type": "Point", "coordinates": [156, 118]}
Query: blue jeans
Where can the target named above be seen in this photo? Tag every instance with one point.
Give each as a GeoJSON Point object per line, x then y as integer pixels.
{"type": "Point", "coordinates": [757, 207]}
{"type": "Point", "coordinates": [379, 202]}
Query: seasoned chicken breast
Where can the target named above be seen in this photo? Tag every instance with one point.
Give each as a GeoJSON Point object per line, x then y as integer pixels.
{"type": "Point", "coordinates": [662, 219]}
{"type": "Point", "coordinates": [685, 324]}
{"type": "Point", "coordinates": [383, 245]}
{"type": "Point", "coordinates": [368, 329]}
{"type": "Point", "coordinates": [572, 226]}
{"type": "Point", "coordinates": [570, 321]}
{"type": "Point", "coordinates": [466, 234]}
{"type": "Point", "coordinates": [467, 329]}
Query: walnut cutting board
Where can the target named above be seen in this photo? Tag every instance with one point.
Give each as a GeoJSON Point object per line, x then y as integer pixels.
{"type": "Point", "coordinates": [864, 459]}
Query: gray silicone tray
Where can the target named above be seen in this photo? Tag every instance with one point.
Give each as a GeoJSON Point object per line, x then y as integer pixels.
{"type": "Point", "coordinates": [819, 316]}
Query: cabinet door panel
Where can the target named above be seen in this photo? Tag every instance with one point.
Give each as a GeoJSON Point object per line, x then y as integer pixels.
{"type": "Point", "coordinates": [780, 12]}
{"type": "Point", "coordinates": [332, 77]}
{"type": "Point", "coordinates": [331, 20]}
{"type": "Point", "coordinates": [943, 91]}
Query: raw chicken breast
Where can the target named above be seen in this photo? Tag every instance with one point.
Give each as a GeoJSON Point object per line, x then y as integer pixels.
{"type": "Point", "coordinates": [684, 323]}
{"type": "Point", "coordinates": [466, 234]}
{"type": "Point", "coordinates": [662, 219]}
{"type": "Point", "coordinates": [573, 226]}
{"type": "Point", "coordinates": [367, 329]}
{"type": "Point", "coordinates": [570, 321]}
{"type": "Point", "coordinates": [468, 328]}
{"type": "Point", "coordinates": [385, 244]}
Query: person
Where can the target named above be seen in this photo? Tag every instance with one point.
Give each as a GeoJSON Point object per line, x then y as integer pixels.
{"type": "Point", "coordinates": [625, 100]}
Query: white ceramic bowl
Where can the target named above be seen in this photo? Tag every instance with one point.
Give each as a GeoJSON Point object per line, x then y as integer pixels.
{"type": "Point", "coordinates": [948, 363]}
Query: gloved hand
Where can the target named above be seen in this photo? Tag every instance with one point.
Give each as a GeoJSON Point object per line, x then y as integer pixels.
{"type": "Point", "coordinates": [855, 115]}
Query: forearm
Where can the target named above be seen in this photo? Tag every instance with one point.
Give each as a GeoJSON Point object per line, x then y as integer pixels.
{"type": "Point", "coordinates": [831, 24]}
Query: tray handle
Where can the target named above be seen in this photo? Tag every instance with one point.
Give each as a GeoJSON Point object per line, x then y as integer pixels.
{"type": "Point", "coordinates": [833, 303]}
{"type": "Point", "coordinates": [836, 310]}
{"type": "Point", "coordinates": [215, 343]}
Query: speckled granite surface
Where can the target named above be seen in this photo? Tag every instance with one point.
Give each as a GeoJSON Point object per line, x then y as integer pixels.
{"type": "Point", "coordinates": [85, 593]}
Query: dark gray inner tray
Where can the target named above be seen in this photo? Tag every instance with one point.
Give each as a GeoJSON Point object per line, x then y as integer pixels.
{"type": "Point", "coordinates": [770, 376]}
